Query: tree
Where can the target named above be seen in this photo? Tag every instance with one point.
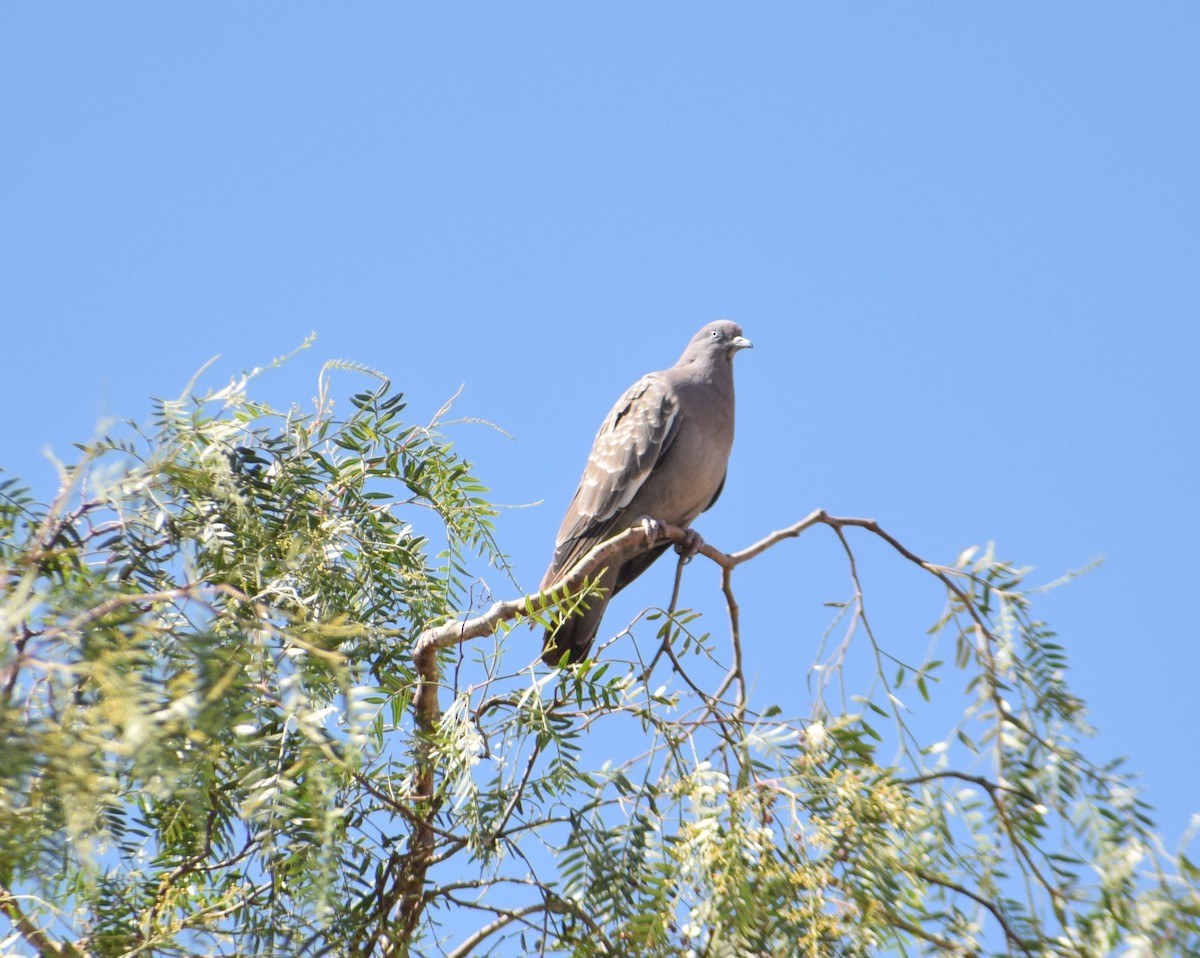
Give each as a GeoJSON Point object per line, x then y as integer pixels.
{"type": "Point", "coordinates": [243, 713]}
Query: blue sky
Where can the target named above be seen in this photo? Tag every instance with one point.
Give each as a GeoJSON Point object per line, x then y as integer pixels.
{"type": "Point", "coordinates": [965, 240]}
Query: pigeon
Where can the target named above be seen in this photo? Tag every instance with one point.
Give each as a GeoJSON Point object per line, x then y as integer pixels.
{"type": "Point", "coordinates": [661, 454]}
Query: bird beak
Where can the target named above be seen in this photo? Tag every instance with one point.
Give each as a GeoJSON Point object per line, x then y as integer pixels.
{"type": "Point", "coordinates": [740, 342]}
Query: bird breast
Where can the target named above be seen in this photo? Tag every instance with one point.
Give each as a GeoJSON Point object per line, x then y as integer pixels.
{"type": "Point", "coordinates": [688, 478]}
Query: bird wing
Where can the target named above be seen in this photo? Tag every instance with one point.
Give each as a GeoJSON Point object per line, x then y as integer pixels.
{"type": "Point", "coordinates": [633, 441]}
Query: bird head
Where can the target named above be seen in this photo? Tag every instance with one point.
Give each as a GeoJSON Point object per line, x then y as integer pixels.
{"type": "Point", "coordinates": [719, 339]}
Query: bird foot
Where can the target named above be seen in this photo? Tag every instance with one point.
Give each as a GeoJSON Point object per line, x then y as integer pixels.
{"type": "Point", "coordinates": [691, 545]}
{"type": "Point", "coordinates": [652, 529]}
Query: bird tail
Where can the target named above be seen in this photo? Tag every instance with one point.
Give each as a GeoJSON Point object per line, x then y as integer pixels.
{"type": "Point", "coordinates": [573, 637]}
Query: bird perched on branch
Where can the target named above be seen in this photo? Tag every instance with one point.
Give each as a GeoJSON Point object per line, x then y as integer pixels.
{"type": "Point", "coordinates": [661, 454]}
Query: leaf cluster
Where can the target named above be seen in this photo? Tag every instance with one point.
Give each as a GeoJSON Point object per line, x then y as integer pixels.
{"type": "Point", "coordinates": [205, 635]}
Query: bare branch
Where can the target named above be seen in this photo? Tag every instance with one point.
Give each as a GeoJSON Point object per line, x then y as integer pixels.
{"type": "Point", "coordinates": [1009, 932]}
{"type": "Point", "coordinates": [506, 917]}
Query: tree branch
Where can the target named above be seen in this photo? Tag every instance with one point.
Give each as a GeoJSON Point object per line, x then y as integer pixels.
{"type": "Point", "coordinates": [35, 936]}
{"type": "Point", "coordinates": [1009, 932]}
{"type": "Point", "coordinates": [411, 866]}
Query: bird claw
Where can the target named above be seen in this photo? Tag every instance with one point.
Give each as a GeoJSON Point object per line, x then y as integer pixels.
{"type": "Point", "coordinates": [652, 529]}
{"type": "Point", "coordinates": [691, 545]}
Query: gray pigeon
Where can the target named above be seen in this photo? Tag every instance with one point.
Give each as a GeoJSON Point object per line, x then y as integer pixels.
{"type": "Point", "coordinates": [661, 452]}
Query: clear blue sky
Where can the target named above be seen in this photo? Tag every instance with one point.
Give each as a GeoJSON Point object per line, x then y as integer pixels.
{"type": "Point", "coordinates": [965, 239]}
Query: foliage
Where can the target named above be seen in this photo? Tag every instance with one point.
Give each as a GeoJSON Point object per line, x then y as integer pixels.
{"type": "Point", "coordinates": [231, 726]}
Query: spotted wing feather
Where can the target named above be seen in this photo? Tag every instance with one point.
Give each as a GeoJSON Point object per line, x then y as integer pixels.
{"type": "Point", "coordinates": [631, 443]}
